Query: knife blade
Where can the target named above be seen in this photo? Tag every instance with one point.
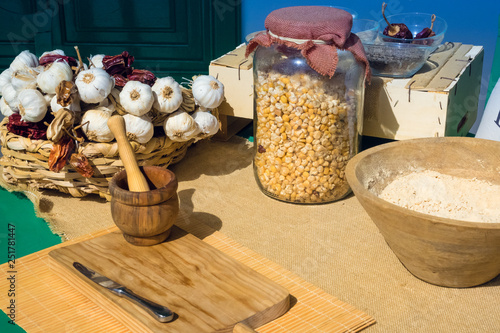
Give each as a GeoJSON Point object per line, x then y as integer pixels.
{"type": "Point", "coordinates": [159, 312]}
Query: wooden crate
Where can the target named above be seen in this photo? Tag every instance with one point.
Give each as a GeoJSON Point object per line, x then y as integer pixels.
{"type": "Point", "coordinates": [236, 73]}
{"type": "Point", "coordinates": [440, 100]}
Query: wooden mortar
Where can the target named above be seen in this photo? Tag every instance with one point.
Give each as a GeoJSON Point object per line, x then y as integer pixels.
{"type": "Point", "coordinates": [144, 201]}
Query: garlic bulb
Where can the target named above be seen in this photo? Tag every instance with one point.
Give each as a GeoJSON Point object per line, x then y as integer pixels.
{"type": "Point", "coordinates": [48, 98]}
{"type": "Point", "coordinates": [208, 91]}
{"type": "Point", "coordinates": [94, 85]}
{"type": "Point", "coordinates": [5, 108]}
{"type": "Point", "coordinates": [24, 61]}
{"type": "Point", "coordinates": [52, 75]}
{"type": "Point", "coordinates": [32, 105]}
{"type": "Point", "coordinates": [167, 94]}
{"type": "Point", "coordinates": [139, 129]}
{"type": "Point", "coordinates": [74, 106]}
{"type": "Point", "coordinates": [207, 122]}
{"type": "Point", "coordinates": [97, 61]}
{"type": "Point", "coordinates": [56, 51]}
{"type": "Point", "coordinates": [136, 98]}
{"type": "Point", "coordinates": [5, 78]}
{"type": "Point", "coordinates": [95, 125]}
{"type": "Point", "coordinates": [10, 94]}
{"type": "Point", "coordinates": [180, 126]}
{"type": "Point", "coordinates": [24, 80]}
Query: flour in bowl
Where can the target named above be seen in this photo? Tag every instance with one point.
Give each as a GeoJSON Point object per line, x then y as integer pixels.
{"type": "Point", "coordinates": [433, 193]}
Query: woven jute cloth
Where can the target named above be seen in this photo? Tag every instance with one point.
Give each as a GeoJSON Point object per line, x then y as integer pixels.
{"type": "Point", "coordinates": [335, 246]}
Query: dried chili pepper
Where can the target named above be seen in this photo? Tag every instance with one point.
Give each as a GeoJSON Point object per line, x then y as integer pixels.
{"type": "Point", "coordinates": [395, 30]}
{"type": "Point", "coordinates": [143, 76]}
{"type": "Point", "coordinates": [60, 152]}
{"type": "Point", "coordinates": [140, 75]}
{"type": "Point", "coordinates": [120, 80]}
{"type": "Point", "coordinates": [118, 64]}
{"type": "Point", "coordinates": [120, 67]}
{"type": "Point", "coordinates": [50, 58]}
{"type": "Point", "coordinates": [81, 165]}
{"type": "Point", "coordinates": [427, 32]}
{"type": "Point", "coordinates": [27, 129]}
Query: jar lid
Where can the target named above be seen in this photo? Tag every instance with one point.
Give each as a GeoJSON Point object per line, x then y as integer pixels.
{"type": "Point", "coordinates": [317, 31]}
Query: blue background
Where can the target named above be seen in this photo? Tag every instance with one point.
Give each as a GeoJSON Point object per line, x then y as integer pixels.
{"type": "Point", "coordinates": [469, 22]}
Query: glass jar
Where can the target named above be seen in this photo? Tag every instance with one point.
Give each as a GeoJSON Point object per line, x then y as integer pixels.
{"type": "Point", "coordinates": [306, 125]}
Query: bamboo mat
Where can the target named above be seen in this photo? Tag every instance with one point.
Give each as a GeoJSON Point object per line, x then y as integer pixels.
{"type": "Point", "coordinates": [46, 303]}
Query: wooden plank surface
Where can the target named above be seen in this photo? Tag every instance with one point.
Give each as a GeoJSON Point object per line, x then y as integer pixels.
{"type": "Point", "coordinates": [207, 290]}
{"type": "Point", "coordinates": [436, 60]}
{"type": "Point", "coordinates": [445, 64]}
{"type": "Point", "coordinates": [48, 303]}
{"type": "Point", "coordinates": [235, 59]}
{"type": "Point", "coordinates": [451, 70]}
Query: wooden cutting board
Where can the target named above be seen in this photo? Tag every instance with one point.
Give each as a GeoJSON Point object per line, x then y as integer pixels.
{"type": "Point", "coordinates": [206, 289]}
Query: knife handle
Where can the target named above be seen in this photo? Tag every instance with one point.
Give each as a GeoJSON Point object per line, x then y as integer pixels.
{"type": "Point", "coordinates": [159, 312]}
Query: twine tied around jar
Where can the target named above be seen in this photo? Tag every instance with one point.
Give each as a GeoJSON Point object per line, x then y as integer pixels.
{"type": "Point", "coordinates": [316, 31]}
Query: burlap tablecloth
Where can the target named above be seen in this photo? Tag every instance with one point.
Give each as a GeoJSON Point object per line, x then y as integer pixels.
{"type": "Point", "coordinates": [334, 246]}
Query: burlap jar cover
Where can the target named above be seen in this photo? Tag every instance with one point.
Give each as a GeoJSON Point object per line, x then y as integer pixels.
{"type": "Point", "coordinates": [316, 31]}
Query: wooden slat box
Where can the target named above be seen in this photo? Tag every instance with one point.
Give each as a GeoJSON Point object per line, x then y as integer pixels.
{"type": "Point", "coordinates": [440, 100]}
{"type": "Point", "coordinates": [236, 73]}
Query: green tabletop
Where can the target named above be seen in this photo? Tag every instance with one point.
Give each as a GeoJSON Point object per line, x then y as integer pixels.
{"type": "Point", "coordinates": [22, 233]}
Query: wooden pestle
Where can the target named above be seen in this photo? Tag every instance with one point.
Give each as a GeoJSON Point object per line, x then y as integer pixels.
{"type": "Point", "coordinates": [135, 178]}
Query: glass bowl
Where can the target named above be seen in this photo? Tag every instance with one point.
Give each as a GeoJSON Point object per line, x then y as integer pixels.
{"type": "Point", "coordinates": [399, 58]}
{"type": "Point", "coordinates": [365, 29]}
{"type": "Point", "coordinates": [396, 60]}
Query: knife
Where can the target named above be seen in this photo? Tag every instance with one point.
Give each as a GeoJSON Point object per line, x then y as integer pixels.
{"type": "Point", "coordinates": [159, 312]}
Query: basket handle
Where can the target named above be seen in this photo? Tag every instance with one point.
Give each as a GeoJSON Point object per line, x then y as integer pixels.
{"type": "Point", "coordinates": [136, 180]}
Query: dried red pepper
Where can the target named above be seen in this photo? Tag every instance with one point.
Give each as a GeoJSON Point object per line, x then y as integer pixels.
{"type": "Point", "coordinates": [35, 131]}
{"type": "Point", "coordinates": [143, 76]}
{"type": "Point", "coordinates": [395, 30]}
{"type": "Point", "coordinates": [50, 58]}
{"type": "Point", "coordinates": [60, 152]}
{"type": "Point", "coordinates": [427, 32]}
{"type": "Point", "coordinates": [120, 67]}
{"type": "Point", "coordinates": [140, 75]}
{"type": "Point", "coordinates": [81, 165]}
{"type": "Point", "coordinates": [118, 64]}
{"type": "Point", "coordinates": [120, 80]}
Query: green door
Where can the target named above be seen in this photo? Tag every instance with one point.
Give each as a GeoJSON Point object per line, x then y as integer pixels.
{"type": "Point", "coordinates": [168, 37]}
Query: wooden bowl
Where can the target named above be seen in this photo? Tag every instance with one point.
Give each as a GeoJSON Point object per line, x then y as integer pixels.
{"type": "Point", "coordinates": [441, 251]}
{"type": "Point", "coordinates": [145, 218]}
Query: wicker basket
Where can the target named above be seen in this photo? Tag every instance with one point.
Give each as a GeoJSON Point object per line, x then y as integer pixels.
{"type": "Point", "coordinates": [25, 162]}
